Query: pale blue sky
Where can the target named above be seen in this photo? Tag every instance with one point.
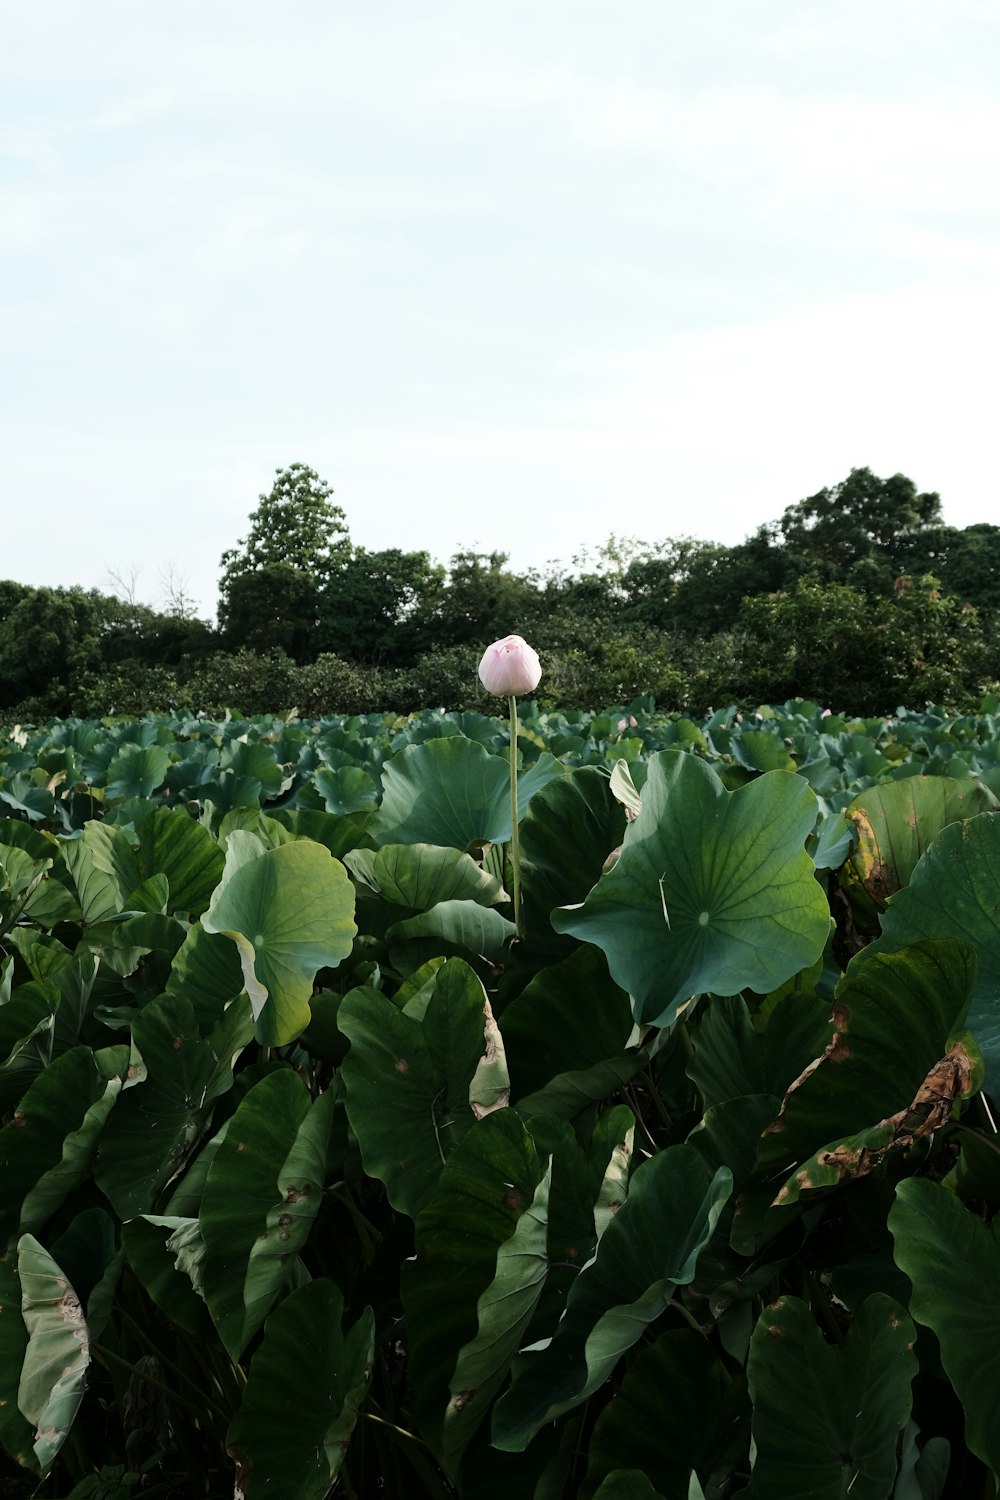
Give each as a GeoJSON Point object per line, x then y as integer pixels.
{"type": "Point", "coordinates": [508, 275]}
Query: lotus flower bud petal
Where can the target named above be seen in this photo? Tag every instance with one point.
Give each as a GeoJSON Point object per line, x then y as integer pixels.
{"type": "Point", "coordinates": [510, 666]}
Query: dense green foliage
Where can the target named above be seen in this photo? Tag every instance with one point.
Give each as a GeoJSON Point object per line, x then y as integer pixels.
{"type": "Point", "coordinates": [859, 595]}
{"type": "Point", "coordinates": [316, 1179]}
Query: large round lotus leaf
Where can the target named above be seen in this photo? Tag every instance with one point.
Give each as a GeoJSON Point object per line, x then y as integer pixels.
{"type": "Point", "coordinates": [452, 792]}
{"type": "Point", "coordinates": [897, 820]}
{"type": "Point", "coordinates": [290, 912]}
{"type": "Point", "coordinates": [713, 891]}
{"type": "Point", "coordinates": [954, 892]}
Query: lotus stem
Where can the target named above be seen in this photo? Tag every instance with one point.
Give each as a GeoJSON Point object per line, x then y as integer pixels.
{"type": "Point", "coordinates": [515, 832]}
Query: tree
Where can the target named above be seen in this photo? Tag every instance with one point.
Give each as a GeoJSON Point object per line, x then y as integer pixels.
{"type": "Point", "coordinates": [861, 516]}
{"type": "Point", "coordinates": [296, 542]}
{"type": "Point", "coordinates": [376, 606]}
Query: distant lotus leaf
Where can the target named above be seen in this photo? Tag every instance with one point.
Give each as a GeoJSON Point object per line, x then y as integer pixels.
{"type": "Point", "coordinates": [714, 890]}
{"type": "Point", "coordinates": [290, 912]}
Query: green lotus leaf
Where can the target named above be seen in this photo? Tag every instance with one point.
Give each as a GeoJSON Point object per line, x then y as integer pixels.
{"type": "Point", "coordinates": [144, 1241]}
{"type": "Point", "coordinates": [88, 1255]}
{"type": "Point", "coordinates": [261, 1196]}
{"type": "Point", "coordinates": [50, 1144]}
{"type": "Point", "coordinates": [566, 1036]}
{"type": "Point", "coordinates": [568, 832]}
{"type": "Point", "coordinates": [307, 1379]}
{"type": "Point", "coordinates": [408, 1081]}
{"type": "Point", "coordinates": [137, 771]}
{"type": "Point", "coordinates": [633, 1484]}
{"type": "Point", "coordinates": [421, 875]}
{"type": "Point", "coordinates": [649, 1249]}
{"type": "Point", "coordinates": [952, 893]}
{"type": "Point", "coordinates": [173, 844]}
{"type": "Point", "coordinates": [290, 913]}
{"type": "Point", "coordinates": [953, 1261]}
{"type": "Point", "coordinates": [54, 1372]}
{"type": "Point", "coordinates": [732, 1055]}
{"type": "Point", "coordinates": [865, 1074]}
{"type": "Point", "coordinates": [347, 789]}
{"type": "Point", "coordinates": [485, 1189]}
{"type": "Point", "coordinates": [826, 1420]}
{"type": "Point", "coordinates": [453, 792]}
{"type": "Point", "coordinates": [897, 820]}
{"type": "Point", "coordinates": [157, 1120]}
{"type": "Point", "coordinates": [16, 1432]}
{"type": "Point", "coordinates": [207, 972]}
{"type": "Point", "coordinates": [713, 891]}
{"type": "Point", "coordinates": [670, 1414]}
{"type": "Point", "coordinates": [463, 924]}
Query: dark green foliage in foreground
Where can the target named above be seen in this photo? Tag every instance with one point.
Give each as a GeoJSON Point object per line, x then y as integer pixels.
{"type": "Point", "coordinates": [315, 1181]}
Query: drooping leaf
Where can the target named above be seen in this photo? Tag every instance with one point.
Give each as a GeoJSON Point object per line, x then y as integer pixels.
{"type": "Point", "coordinates": [307, 1381]}
{"type": "Point", "coordinates": [568, 833]}
{"type": "Point", "coordinates": [290, 912]}
{"type": "Point", "coordinates": [826, 1420]}
{"type": "Point", "coordinates": [464, 924]}
{"type": "Point", "coordinates": [261, 1196]}
{"type": "Point", "coordinates": [713, 890]}
{"type": "Point", "coordinates": [50, 1143]}
{"type": "Point", "coordinates": [157, 1120]}
{"type": "Point", "coordinates": [953, 1261]}
{"type": "Point", "coordinates": [864, 1076]}
{"type": "Point", "coordinates": [486, 1186]}
{"type": "Point", "coordinates": [58, 1353]}
{"type": "Point", "coordinates": [732, 1056]}
{"type": "Point", "coordinates": [650, 1247]}
{"type": "Point", "coordinates": [570, 1020]}
{"type": "Point", "coordinates": [174, 845]}
{"type": "Point", "coordinates": [408, 1081]}
{"type": "Point", "coordinates": [675, 1410]}
{"type": "Point", "coordinates": [504, 1311]}
{"type": "Point", "coordinates": [16, 1432]}
{"type": "Point", "coordinates": [421, 875]}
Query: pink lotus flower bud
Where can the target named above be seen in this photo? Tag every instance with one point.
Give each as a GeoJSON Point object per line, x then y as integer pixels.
{"type": "Point", "coordinates": [510, 666]}
{"type": "Point", "coordinates": [629, 723]}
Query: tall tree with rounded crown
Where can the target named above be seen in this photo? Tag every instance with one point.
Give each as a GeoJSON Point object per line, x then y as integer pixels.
{"type": "Point", "coordinates": [273, 578]}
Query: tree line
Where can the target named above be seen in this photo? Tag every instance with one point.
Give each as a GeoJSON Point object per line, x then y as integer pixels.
{"type": "Point", "coordinates": [859, 596]}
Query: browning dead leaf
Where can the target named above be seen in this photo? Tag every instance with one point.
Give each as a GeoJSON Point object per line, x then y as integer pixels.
{"type": "Point", "coordinates": [949, 1079]}
{"type": "Point", "coordinates": [878, 878]}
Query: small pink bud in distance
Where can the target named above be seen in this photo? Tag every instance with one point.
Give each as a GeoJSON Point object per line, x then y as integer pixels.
{"type": "Point", "coordinates": [629, 723]}
{"type": "Point", "coordinates": [826, 714]}
{"type": "Point", "coordinates": [510, 666]}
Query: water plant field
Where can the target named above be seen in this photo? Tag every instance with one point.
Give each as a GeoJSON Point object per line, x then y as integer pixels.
{"type": "Point", "coordinates": [322, 1174]}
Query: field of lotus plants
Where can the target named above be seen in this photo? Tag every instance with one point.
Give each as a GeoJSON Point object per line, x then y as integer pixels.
{"type": "Point", "coordinates": [378, 1123]}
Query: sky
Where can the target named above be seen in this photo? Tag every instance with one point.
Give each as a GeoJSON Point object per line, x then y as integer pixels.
{"type": "Point", "coordinates": [514, 277]}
